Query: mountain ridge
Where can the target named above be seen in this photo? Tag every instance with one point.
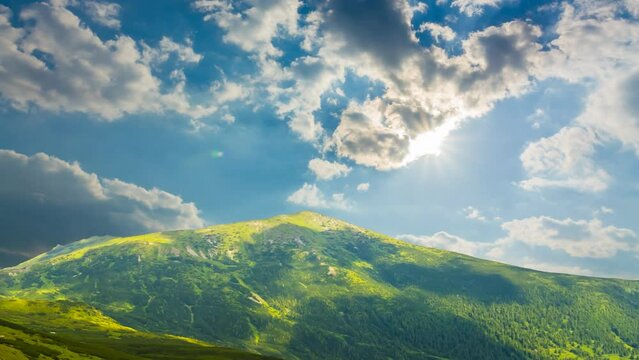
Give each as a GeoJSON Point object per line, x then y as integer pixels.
{"type": "Point", "coordinates": [308, 286]}
{"type": "Point", "coordinates": [296, 217]}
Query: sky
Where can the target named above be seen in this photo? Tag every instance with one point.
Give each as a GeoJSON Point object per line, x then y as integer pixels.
{"type": "Point", "coordinates": [502, 129]}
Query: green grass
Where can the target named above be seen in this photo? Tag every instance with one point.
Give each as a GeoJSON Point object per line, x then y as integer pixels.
{"type": "Point", "coordinates": [306, 286]}
{"type": "Point", "coordinates": [35, 329]}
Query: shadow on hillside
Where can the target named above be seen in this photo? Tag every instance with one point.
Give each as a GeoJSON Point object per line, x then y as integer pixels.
{"type": "Point", "coordinates": [367, 327]}
{"type": "Point", "coordinates": [273, 251]}
{"type": "Point", "coordinates": [276, 246]}
{"type": "Point", "coordinates": [349, 246]}
{"type": "Point", "coordinates": [453, 278]}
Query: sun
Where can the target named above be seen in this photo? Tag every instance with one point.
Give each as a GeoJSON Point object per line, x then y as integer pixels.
{"type": "Point", "coordinates": [428, 143]}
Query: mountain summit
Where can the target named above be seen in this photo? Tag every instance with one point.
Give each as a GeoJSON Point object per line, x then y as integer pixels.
{"type": "Point", "coordinates": [308, 286]}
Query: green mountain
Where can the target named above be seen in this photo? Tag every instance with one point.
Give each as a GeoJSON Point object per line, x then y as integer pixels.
{"type": "Point", "coordinates": [307, 286]}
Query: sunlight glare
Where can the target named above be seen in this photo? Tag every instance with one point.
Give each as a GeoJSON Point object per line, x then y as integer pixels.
{"type": "Point", "coordinates": [428, 143]}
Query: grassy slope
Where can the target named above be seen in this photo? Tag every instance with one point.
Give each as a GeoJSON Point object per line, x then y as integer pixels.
{"type": "Point", "coordinates": [37, 329]}
{"type": "Point", "coordinates": [308, 286]}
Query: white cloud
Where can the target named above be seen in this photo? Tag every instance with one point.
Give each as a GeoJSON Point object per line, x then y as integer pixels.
{"type": "Point", "coordinates": [103, 13]}
{"type": "Point", "coordinates": [564, 160]}
{"type": "Point", "coordinates": [578, 238]}
{"type": "Point", "coordinates": [156, 209]}
{"type": "Point", "coordinates": [363, 187]}
{"type": "Point", "coordinates": [573, 245]}
{"type": "Point", "coordinates": [604, 210]}
{"type": "Point", "coordinates": [474, 7]}
{"type": "Point", "coordinates": [537, 118]}
{"type": "Point", "coordinates": [58, 64]}
{"type": "Point", "coordinates": [554, 268]}
{"type": "Point", "coordinates": [56, 202]}
{"type": "Point", "coordinates": [228, 91]}
{"type": "Point", "coordinates": [183, 52]}
{"type": "Point", "coordinates": [439, 32]}
{"type": "Point", "coordinates": [253, 24]}
{"type": "Point", "coordinates": [585, 25]}
{"type": "Point", "coordinates": [613, 109]}
{"type": "Point", "coordinates": [253, 27]}
{"type": "Point", "coordinates": [310, 195]}
{"type": "Point", "coordinates": [445, 241]}
{"type": "Point", "coordinates": [473, 214]}
{"type": "Point", "coordinates": [611, 113]}
{"type": "Point", "coordinates": [493, 251]}
{"type": "Point", "coordinates": [229, 118]}
{"type": "Point", "coordinates": [633, 7]}
{"type": "Point", "coordinates": [327, 170]}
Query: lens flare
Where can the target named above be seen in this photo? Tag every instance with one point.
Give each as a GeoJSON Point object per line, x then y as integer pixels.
{"type": "Point", "coordinates": [216, 154]}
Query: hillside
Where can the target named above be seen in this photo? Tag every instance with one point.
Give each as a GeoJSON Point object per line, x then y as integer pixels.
{"type": "Point", "coordinates": [306, 286]}
{"type": "Point", "coordinates": [41, 329]}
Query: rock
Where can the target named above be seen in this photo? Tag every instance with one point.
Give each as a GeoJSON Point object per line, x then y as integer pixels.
{"type": "Point", "coordinates": [332, 271]}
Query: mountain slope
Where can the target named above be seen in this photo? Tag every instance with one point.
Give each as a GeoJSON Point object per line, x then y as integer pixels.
{"type": "Point", "coordinates": [37, 329]}
{"type": "Point", "coordinates": [308, 286]}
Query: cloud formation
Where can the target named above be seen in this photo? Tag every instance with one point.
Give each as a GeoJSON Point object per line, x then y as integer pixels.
{"type": "Point", "coordinates": [438, 32]}
{"type": "Point", "coordinates": [445, 241]}
{"type": "Point", "coordinates": [167, 47]}
{"type": "Point", "coordinates": [57, 63]}
{"type": "Point", "coordinates": [610, 114]}
{"type": "Point", "coordinates": [253, 26]}
{"type": "Point", "coordinates": [104, 13]}
{"type": "Point", "coordinates": [52, 61]}
{"type": "Point", "coordinates": [473, 214]}
{"type": "Point", "coordinates": [309, 195]}
{"type": "Point", "coordinates": [564, 160]}
{"type": "Point", "coordinates": [474, 7]}
{"type": "Point", "coordinates": [548, 244]}
{"type": "Point", "coordinates": [425, 89]}
{"type": "Point", "coordinates": [46, 201]}
{"type": "Point", "coordinates": [578, 238]}
{"type": "Point", "coordinates": [327, 170]}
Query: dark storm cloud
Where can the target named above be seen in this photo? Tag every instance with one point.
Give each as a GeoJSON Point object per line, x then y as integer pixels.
{"type": "Point", "coordinates": [46, 201]}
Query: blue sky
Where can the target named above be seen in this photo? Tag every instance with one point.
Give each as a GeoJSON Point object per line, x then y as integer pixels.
{"type": "Point", "coordinates": [503, 129]}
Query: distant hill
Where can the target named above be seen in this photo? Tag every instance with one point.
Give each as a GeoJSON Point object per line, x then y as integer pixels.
{"type": "Point", "coordinates": [307, 286]}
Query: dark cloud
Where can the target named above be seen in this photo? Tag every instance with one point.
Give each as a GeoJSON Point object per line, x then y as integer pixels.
{"type": "Point", "coordinates": [500, 53]}
{"type": "Point", "coordinates": [364, 137]}
{"type": "Point", "coordinates": [378, 27]}
{"type": "Point", "coordinates": [45, 201]}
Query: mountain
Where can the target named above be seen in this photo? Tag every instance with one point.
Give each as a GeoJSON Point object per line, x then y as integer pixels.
{"type": "Point", "coordinates": [307, 286]}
